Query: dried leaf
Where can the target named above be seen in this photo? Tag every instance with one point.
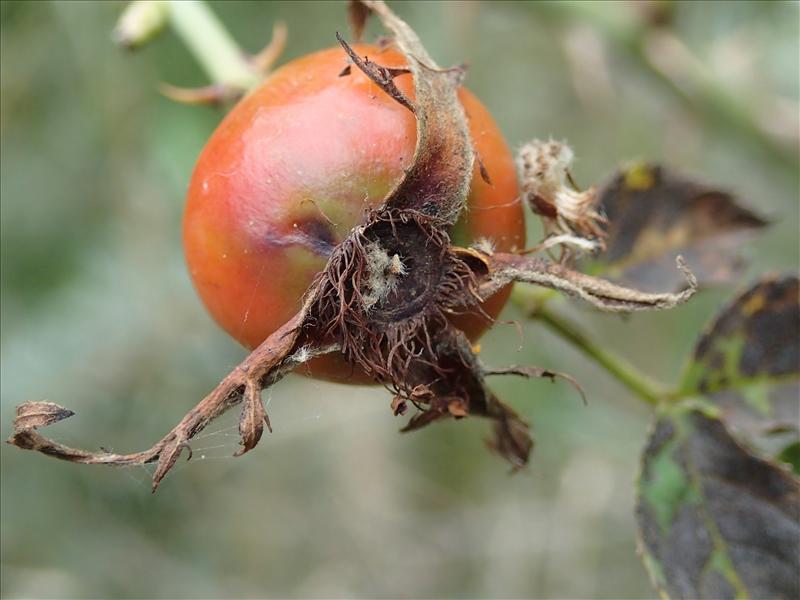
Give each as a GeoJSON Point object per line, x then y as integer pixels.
{"type": "Point", "coordinates": [748, 363]}
{"type": "Point", "coordinates": [511, 439]}
{"type": "Point", "coordinates": [532, 372]}
{"type": "Point", "coordinates": [382, 76]}
{"type": "Point", "coordinates": [167, 457]}
{"type": "Point", "coordinates": [715, 521]}
{"type": "Point", "coordinates": [32, 415]}
{"type": "Point", "coordinates": [438, 180]}
{"type": "Point", "coordinates": [506, 268]}
{"type": "Point", "coordinates": [458, 390]}
{"type": "Point", "coordinates": [655, 214]}
{"type": "Point", "coordinates": [252, 419]}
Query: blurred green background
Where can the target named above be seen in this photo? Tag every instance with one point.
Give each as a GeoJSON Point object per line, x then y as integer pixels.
{"type": "Point", "coordinates": [98, 313]}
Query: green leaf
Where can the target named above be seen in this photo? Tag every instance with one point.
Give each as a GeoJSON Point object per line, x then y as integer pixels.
{"type": "Point", "coordinates": [747, 364]}
{"type": "Point", "coordinates": [655, 214]}
{"type": "Point", "coordinates": [716, 521]}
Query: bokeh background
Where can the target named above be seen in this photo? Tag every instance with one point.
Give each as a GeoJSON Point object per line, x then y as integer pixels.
{"type": "Point", "coordinates": [98, 313]}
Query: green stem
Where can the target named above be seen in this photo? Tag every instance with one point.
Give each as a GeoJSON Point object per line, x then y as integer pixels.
{"type": "Point", "coordinates": [637, 382]}
{"type": "Point", "coordinates": [211, 44]}
{"type": "Point", "coordinates": [696, 87]}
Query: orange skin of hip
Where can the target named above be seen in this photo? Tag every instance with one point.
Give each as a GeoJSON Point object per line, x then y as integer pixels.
{"type": "Point", "coordinates": [294, 166]}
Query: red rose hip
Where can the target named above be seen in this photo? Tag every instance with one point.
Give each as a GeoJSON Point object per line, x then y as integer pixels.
{"type": "Point", "coordinates": [294, 167]}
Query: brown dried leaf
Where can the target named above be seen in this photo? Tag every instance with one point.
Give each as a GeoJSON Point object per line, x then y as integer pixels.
{"type": "Point", "coordinates": [32, 415]}
{"type": "Point", "coordinates": [655, 214]}
{"type": "Point", "coordinates": [167, 457]}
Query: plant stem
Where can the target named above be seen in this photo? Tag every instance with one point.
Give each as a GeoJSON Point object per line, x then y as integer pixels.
{"type": "Point", "coordinates": [661, 54]}
{"type": "Point", "coordinates": [637, 382]}
{"type": "Point", "coordinates": [211, 44]}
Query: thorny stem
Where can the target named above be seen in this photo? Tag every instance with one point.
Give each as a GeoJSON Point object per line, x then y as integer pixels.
{"type": "Point", "coordinates": [637, 382]}
{"type": "Point", "coordinates": [211, 44]}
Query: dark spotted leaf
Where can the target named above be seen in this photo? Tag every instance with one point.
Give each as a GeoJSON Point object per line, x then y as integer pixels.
{"type": "Point", "coordinates": [748, 364]}
{"type": "Point", "coordinates": [655, 215]}
{"type": "Point", "coordinates": [715, 521]}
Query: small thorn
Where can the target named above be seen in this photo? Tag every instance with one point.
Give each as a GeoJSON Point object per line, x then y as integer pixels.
{"type": "Point", "coordinates": [266, 58]}
{"type": "Point", "coordinates": [210, 95]}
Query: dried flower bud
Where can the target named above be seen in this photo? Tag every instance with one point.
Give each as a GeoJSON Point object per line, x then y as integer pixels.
{"type": "Point", "coordinates": [547, 187]}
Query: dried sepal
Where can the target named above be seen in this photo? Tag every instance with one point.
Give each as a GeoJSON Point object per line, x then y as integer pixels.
{"type": "Point", "coordinates": [506, 268]}
{"type": "Point", "coordinates": [548, 189]}
{"type": "Point", "coordinates": [253, 418]}
{"type": "Point", "coordinates": [532, 372]}
{"type": "Point", "coordinates": [380, 75]}
{"type": "Point", "coordinates": [511, 439]}
{"type": "Point", "coordinates": [275, 357]}
{"type": "Point", "coordinates": [438, 180]}
{"type": "Point", "coordinates": [33, 415]}
{"type": "Point", "coordinates": [456, 389]}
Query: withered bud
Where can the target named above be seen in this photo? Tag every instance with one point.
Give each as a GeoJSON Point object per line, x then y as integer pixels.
{"type": "Point", "coordinates": [548, 189]}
